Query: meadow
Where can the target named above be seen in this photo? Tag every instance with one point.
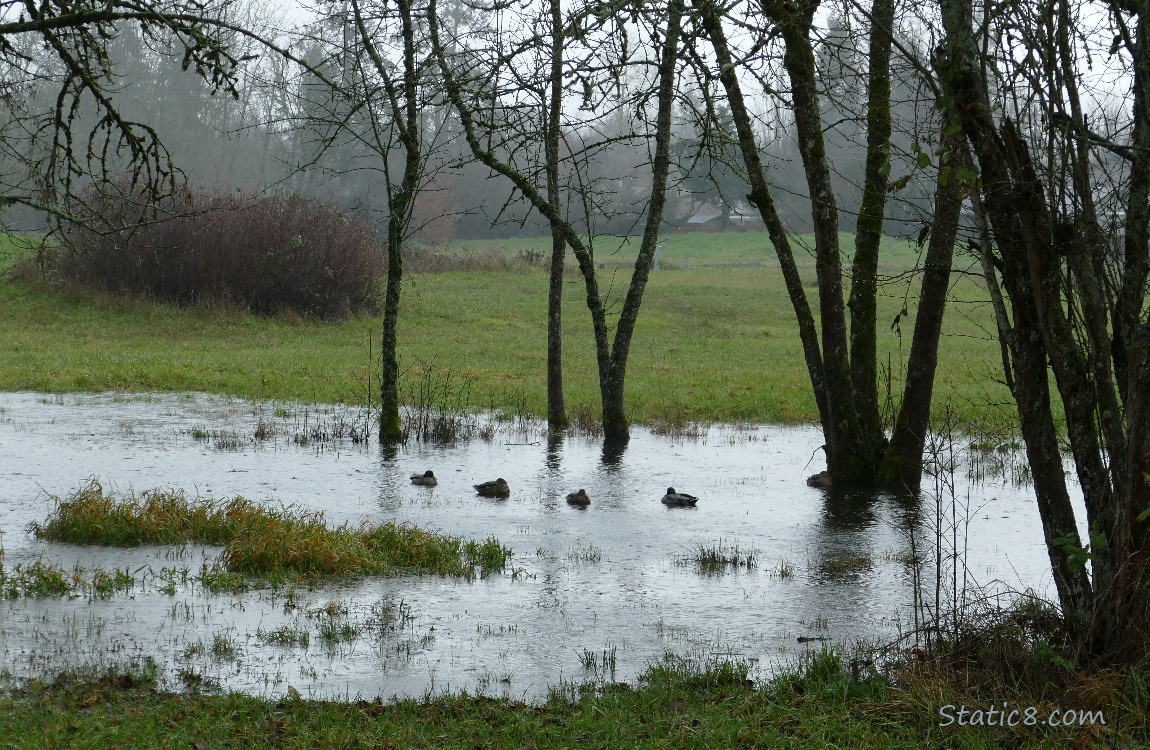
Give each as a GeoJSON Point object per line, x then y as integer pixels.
{"type": "Point", "coordinates": [716, 339]}
{"type": "Point", "coordinates": [716, 342]}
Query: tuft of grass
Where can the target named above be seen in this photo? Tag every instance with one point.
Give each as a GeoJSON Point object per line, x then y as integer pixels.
{"type": "Point", "coordinates": [224, 648]}
{"type": "Point", "coordinates": [585, 553]}
{"type": "Point", "coordinates": [264, 542]}
{"type": "Point", "coordinates": [36, 579]}
{"type": "Point", "coordinates": [717, 556]}
{"type": "Point", "coordinates": [47, 579]}
{"type": "Point", "coordinates": [697, 670]}
{"type": "Point", "coordinates": [844, 564]}
{"type": "Point", "coordinates": [784, 570]}
{"type": "Point", "coordinates": [286, 636]}
{"type": "Point", "coordinates": [332, 624]}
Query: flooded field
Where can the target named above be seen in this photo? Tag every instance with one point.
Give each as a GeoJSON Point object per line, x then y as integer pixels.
{"type": "Point", "coordinates": [593, 593]}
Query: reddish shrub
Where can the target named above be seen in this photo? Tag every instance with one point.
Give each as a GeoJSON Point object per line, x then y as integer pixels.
{"type": "Point", "coordinates": [266, 254]}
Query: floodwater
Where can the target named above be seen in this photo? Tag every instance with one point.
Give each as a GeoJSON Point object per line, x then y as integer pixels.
{"type": "Point", "coordinates": [589, 594]}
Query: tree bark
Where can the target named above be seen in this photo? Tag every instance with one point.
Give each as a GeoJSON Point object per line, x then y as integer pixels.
{"type": "Point", "coordinates": [556, 412]}
{"type": "Point", "coordinates": [614, 418]}
{"type": "Point", "coordinates": [849, 459]}
{"type": "Point", "coordinates": [868, 232]}
{"type": "Point", "coordinates": [404, 104]}
{"type": "Point", "coordinates": [902, 464]}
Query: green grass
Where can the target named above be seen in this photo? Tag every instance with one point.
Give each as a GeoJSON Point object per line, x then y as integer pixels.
{"type": "Point", "coordinates": [681, 702]}
{"type": "Point", "coordinates": [47, 579]}
{"type": "Point", "coordinates": [264, 542]}
{"type": "Point", "coordinates": [716, 342]}
{"type": "Point", "coordinates": [717, 556]}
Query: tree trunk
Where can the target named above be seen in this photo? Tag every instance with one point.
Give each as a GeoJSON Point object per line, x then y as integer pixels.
{"type": "Point", "coordinates": [868, 232]}
{"type": "Point", "coordinates": [404, 105]}
{"type": "Point", "coordinates": [390, 426]}
{"type": "Point", "coordinates": [761, 198]}
{"type": "Point", "coordinates": [902, 464]}
{"type": "Point", "coordinates": [612, 361]}
{"type": "Point", "coordinates": [1018, 223]}
{"type": "Point", "coordinates": [614, 419]}
{"type": "Point", "coordinates": [556, 412]}
{"type": "Point", "coordinates": [849, 459]}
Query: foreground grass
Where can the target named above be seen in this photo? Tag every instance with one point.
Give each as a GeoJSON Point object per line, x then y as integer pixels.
{"type": "Point", "coordinates": [262, 541]}
{"type": "Point", "coordinates": [715, 342]}
{"type": "Point", "coordinates": [677, 704]}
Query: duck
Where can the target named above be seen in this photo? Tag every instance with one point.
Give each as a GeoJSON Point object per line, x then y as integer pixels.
{"type": "Point", "coordinates": [498, 488]}
{"type": "Point", "coordinates": [426, 479]}
{"type": "Point", "coordinates": [821, 480]}
{"type": "Point", "coordinates": [679, 499]}
{"type": "Point", "coordinates": [579, 498]}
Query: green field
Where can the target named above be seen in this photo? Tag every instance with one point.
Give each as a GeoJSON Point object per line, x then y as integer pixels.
{"type": "Point", "coordinates": [716, 339]}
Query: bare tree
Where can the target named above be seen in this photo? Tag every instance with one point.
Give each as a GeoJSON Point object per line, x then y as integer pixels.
{"type": "Point", "coordinates": [842, 369]}
{"type": "Point", "coordinates": [1067, 262]}
{"type": "Point", "coordinates": [477, 100]}
{"type": "Point", "coordinates": [83, 134]}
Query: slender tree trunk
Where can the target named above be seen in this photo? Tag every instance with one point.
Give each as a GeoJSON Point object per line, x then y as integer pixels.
{"type": "Point", "coordinates": [868, 232]}
{"type": "Point", "coordinates": [405, 106]}
{"type": "Point", "coordinates": [848, 458]}
{"type": "Point", "coordinates": [614, 418]}
{"type": "Point", "coordinates": [760, 197]}
{"type": "Point", "coordinates": [390, 427]}
{"type": "Point", "coordinates": [902, 464]}
{"type": "Point", "coordinates": [1137, 227]}
{"type": "Point", "coordinates": [556, 413]}
{"type": "Point", "coordinates": [853, 449]}
{"type": "Point", "coordinates": [612, 362]}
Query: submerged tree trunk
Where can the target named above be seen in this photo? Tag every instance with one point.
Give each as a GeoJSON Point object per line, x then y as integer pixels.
{"type": "Point", "coordinates": [556, 412]}
{"type": "Point", "coordinates": [615, 427]}
{"type": "Point", "coordinates": [902, 464]}
{"type": "Point", "coordinates": [844, 378]}
{"type": "Point", "coordinates": [612, 360]}
{"type": "Point", "coordinates": [1052, 261]}
{"type": "Point", "coordinates": [405, 107]}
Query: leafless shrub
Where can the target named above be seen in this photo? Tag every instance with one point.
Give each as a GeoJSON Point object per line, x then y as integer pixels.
{"type": "Point", "coordinates": [264, 254]}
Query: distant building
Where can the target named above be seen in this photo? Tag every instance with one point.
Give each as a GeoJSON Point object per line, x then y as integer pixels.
{"type": "Point", "coordinates": [740, 215]}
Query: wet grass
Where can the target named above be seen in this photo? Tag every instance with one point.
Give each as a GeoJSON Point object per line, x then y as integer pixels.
{"type": "Point", "coordinates": [585, 553]}
{"type": "Point", "coordinates": [839, 565]}
{"type": "Point", "coordinates": [264, 542]}
{"type": "Point", "coordinates": [689, 701]}
{"type": "Point", "coordinates": [47, 579]}
{"type": "Point", "coordinates": [286, 636]}
{"type": "Point", "coordinates": [717, 342]}
{"type": "Point", "coordinates": [718, 555]}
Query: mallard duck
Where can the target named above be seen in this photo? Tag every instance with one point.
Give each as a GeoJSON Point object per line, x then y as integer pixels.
{"type": "Point", "coordinates": [498, 488]}
{"type": "Point", "coordinates": [426, 479]}
{"type": "Point", "coordinates": [821, 480]}
{"type": "Point", "coordinates": [679, 499]}
{"type": "Point", "coordinates": [579, 498]}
